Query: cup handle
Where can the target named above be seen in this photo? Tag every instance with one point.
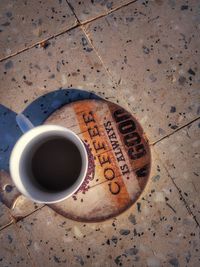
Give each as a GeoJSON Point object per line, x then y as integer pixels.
{"type": "Point", "coordinates": [24, 123]}
{"type": "Point", "coordinates": [8, 191]}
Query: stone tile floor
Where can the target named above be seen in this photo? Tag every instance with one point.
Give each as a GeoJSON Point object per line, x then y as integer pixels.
{"type": "Point", "coordinates": [143, 55]}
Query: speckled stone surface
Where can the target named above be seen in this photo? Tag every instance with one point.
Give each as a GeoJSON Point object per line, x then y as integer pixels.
{"type": "Point", "coordinates": [5, 216]}
{"type": "Point", "coordinates": [180, 154]}
{"type": "Point", "coordinates": [87, 10]}
{"type": "Point", "coordinates": [13, 251]}
{"type": "Point", "coordinates": [157, 231]}
{"type": "Point", "coordinates": [40, 70]}
{"type": "Point", "coordinates": [153, 49]}
{"type": "Point", "coordinates": [38, 20]}
{"type": "Point", "coordinates": [145, 57]}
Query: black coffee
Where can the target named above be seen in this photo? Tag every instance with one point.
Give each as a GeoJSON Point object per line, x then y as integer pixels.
{"type": "Point", "coordinates": [56, 164]}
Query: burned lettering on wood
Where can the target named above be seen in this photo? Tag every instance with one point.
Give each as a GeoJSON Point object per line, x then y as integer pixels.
{"type": "Point", "coordinates": [120, 157]}
{"type": "Point", "coordinates": [88, 117]}
{"type": "Point", "coordinates": [93, 131]}
{"type": "Point", "coordinates": [131, 138]}
{"type": "Point", "coordinates": [114, 188]}
{"type": "Point", "coordinates": [104, 159]}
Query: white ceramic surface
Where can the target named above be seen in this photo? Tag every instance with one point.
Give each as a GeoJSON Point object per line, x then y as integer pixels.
{"type": "Point", "coordinates": [21, 156]}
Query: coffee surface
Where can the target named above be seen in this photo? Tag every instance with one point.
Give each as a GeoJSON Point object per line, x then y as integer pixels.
{"type": "Point", "coordinates": [56, 164]}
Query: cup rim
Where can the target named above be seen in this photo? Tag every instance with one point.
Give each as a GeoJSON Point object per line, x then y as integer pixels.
{"type": "Point", "coordinates": [17, 152]}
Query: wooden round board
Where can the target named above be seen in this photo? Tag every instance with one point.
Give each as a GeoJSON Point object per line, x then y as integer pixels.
{"type": "Point", "coordinates": [119, 159]}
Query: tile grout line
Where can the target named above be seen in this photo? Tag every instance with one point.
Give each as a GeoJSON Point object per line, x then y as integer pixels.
{"type": "Point", "coordinates": [177, 130]}
{"type": "Point", "coordinates": [179, 192]}
{"type": "Point", "coordinates": [78, 24]}
{"type": "Point", "coordinates": [115, 85]}
{"type": "Point", "coordinates": [96, 52]}
{"type": "Point", "coordinates": [7, 225]}
{"type": "Point", "coordinates": [73, 11]}
{"type": "Point", "coordinates": [108, 13]}
{"type": "Point", "coordinates": [15, 221]}
{"type": "Point", "coordinates": [39, 42]}
{"type": "Point", "coordinates": [89, 39]}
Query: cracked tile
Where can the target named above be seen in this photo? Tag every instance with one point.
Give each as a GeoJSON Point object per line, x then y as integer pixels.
{"type": "Point", "coordinates": [151, 49]}
{"type": "Point", "coordinates": [90, 9]}
{"type": "Point", "coordinates": [143, 235]}
{"type": "Point", "coordinates": [23, 23]}
{"type": "Point", "coordinates": [180, 154]}
{"type": "Point", "coordinates": [13, 252]}
{"type": "Point", "coordinates": [68, 61]}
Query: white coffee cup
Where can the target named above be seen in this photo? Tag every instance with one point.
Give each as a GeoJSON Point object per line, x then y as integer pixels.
{"type": "Point", "coordinates": [23, 153]}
